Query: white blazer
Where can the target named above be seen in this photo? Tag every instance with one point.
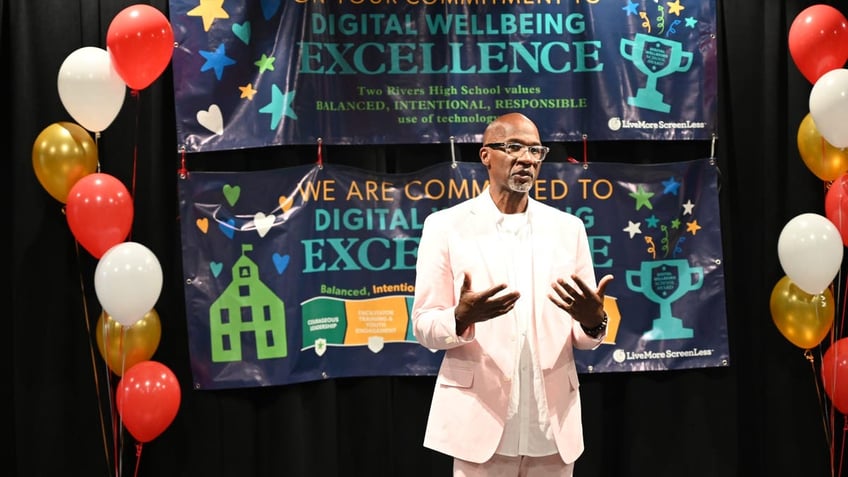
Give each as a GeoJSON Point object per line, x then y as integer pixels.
{"type": "Point", "coordinates": [471, 396]}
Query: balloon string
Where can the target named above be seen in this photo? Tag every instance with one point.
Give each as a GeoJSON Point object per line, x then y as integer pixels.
{"type": "Point", "coordinates": [123, 349]}
{"type": "Point", "coordinates": [112, 412]}
{"type": "Point", "coordinates": [119, 425]}
{"type": "Point", "coordinates": [135, 93]}
{"type": "Point", "coordinates": [842, 451]}
{"type": "Point", "coordinates": [97, 148]}
{"type": "Point", "coordinates": [835, 335]}
{"type": "Point", "coordinates": [838, 326]}
{"type": "Point", "coordinates": [138, 446]}
{"type": "Point", "coordinates": [808, 354]}
{"type": "Point", "coordinates": [93, 359]}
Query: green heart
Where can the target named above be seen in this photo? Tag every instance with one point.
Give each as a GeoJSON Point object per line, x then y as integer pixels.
{"type": "Point", "coordinates": [232, 193]}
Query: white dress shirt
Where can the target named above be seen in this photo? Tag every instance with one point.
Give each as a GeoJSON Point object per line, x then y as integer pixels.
{"type": "Point", "coordinates": [526, 431]}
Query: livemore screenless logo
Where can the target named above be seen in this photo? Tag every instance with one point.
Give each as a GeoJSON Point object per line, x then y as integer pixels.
{"type": "Point", "coordinates": [620, 355]}
{"type": "Point", "coordinates": [616, 124]}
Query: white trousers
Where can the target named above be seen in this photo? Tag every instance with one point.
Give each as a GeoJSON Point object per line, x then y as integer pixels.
{"type": "Point", "coordinates": [521, 466]}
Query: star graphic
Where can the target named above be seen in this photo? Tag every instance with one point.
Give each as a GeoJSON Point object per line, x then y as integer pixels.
{"type": "Point", "coordinates": [671, 186]}
{"type": "Point", "coordinates": [266, 63]}
{"type": "Point", "coordinates": [209, 10]}
{"type": "Point", "coordinates": [247, 91]}
{"type": "Point", "coordinates": [691, 22]}
{"type": "Point", "coordinates": [687, 207]}
{"type": "Point", "coordinates": [652, 221]}
{"type": "Point", "coordinates": [693, 227]}
{"type": "Point", "coordinates": [642, 198]}
{"type": "Point", "coordinates": [675, 224]}
{"type": "Point", "coordinates": [674, 8]}
{"type": "Point", "coordinates": [280, 105]}
{"type": "Point", "coordinates": [632, 228]}
{"type": "Point", "coordinates": [630, 8]}
{"type": "Point", "coordinates": [217, 59]}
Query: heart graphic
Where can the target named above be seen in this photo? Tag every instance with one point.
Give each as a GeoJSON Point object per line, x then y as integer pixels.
{"type": "Point", "coordinates": [242, 31]}
{"type": "Point", "coordinates": [203, 224]}
{"type": "Point", "coordinates": [212, 119]}
{"type": "Point", "coordinates": [269, 8]}
{"type": "Point", "coordinates": [263, 223]}
{"type": "Point", "coordinates": [216, 268]}
{"type": "Point", "coordinates": [232, 194]}
{"type": "Point", "coordinates": [285, 203]}
{"type": "Point", "coordinates": [228, 228]}
{"type": "Point", "coordinates": [281, 262]}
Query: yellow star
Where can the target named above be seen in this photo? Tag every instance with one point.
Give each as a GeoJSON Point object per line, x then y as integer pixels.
{"type": "Point", "coordinates": [675, 7]}
{"type": "Point", "coordinates": [693, 227]}
{"type": "Point", "coordinates": [209, 10]}
{"type": "Point", "coordinates": [247, 91]}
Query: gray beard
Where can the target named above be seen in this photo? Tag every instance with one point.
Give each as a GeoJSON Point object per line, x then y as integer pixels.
{"type": "Point", "coordinates": [522, 187]}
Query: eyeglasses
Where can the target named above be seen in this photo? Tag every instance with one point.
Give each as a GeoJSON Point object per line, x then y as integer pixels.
{"type": "Point", "coordinates": [516, 150]}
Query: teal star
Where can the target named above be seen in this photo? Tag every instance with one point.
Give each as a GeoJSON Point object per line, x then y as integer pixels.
{"type": "Point", "coordinates": [691, 22]}
{"type": "Point", "coordinates": [630, 8]}
{"type": "Point", "coordinates": [279, 106]}
{"type": "Point", "coordinates": [652, 221]}
{"type": "Point", "coordinates": [671, 186]}
{"type": "Point", "coordinates": [642, 198]}
{"type": "Point", "coordinates": [266, 63]}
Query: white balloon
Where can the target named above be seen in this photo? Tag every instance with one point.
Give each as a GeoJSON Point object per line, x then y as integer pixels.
{"type": "Point", "coordinates": [810, 251]}
{"type": "Point", "coordinates": [90, 88]}
{"type": "Point", "coordinates": [128, 281]}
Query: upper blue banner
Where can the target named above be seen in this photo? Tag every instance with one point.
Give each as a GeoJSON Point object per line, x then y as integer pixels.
{"type": "Point", "coordinates": [274, 72]}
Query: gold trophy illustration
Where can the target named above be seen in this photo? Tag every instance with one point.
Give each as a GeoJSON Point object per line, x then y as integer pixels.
{"type": "Point", "coordinates": [664, 282]}
{"type": "Point", "coordinates": [655, 57]}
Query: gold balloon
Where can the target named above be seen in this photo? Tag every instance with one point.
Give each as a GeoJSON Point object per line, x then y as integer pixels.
{"type": "Point", "coordinates": [802, 318]}
{"type": "Point", "coordinates": [123, 346]}
{"type": "Point", "coordinates": [826, 161]}
{"type": "Point", "coordinates": [62, 154]}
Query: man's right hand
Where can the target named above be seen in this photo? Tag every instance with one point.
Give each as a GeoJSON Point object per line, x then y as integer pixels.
{"type": "Point", "coordinates": [474, 307]}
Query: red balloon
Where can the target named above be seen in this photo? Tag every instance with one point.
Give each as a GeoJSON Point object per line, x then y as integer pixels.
{"type": "Point", "coordinates": [99, 210]}
{"type": "Point", "coordinates": [835, 374]}
{"type": "Point", "coordinates": [141, 42]}
{"type": "Point", "coordinates": [818, 41]}
{"type": "Point", "coordinates": [836, 205]}
{"type": "Point", "coordinates": [148, 398]}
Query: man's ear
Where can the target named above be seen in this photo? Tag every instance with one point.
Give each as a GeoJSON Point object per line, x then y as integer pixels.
{"type": "Point", "coordinates": [484, 156]}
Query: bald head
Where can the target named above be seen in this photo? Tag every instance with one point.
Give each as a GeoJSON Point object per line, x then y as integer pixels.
{"type": "Point", "coordinates": [507, 126]}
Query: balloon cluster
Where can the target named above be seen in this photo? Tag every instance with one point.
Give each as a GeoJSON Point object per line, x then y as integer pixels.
{"type": "Point", "coordinates": [818, 44]}
{"type": "Point", "coordinates": [92, 84]}
{"type": "Point", "coordinates": [810, 251]}
{"type": "Point", "coordinates": [811, 246]}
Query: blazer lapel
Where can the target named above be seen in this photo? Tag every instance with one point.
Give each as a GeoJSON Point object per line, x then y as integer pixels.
{"type": "Point", "coordinates": [551, 333]}
{"type": "Point", "coordinates": [484, 223]}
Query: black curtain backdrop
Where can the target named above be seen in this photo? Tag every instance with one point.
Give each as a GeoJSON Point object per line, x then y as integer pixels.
{"type": "Point", "coordinates": [762, 415]}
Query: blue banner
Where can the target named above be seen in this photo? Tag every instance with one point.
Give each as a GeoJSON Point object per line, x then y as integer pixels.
{"type": "Point", "coordinates": [256, 74]}
{"type": "Point", "coordinates": [308, 273]}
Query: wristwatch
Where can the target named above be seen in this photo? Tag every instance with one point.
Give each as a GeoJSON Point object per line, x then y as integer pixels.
{"type": "Point", "coordinates": [594, 332]}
